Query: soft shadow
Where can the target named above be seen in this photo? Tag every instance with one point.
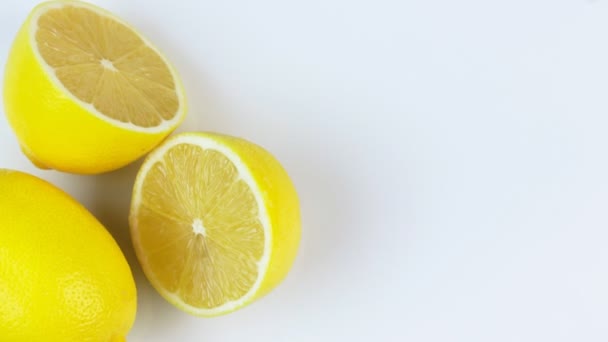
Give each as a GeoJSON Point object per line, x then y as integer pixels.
{"type": "Point", "coordinates": [109, 201]}
{"type": "Point", "coordinates": [326, 201]}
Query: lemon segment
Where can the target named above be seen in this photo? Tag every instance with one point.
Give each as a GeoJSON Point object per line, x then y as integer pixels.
{"type": "Point", "coordinates": [85, 93]}
{"type": "Point", "coordinates": [215, 222]}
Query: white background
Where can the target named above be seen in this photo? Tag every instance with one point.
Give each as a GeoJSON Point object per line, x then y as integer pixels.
{"type": "Point", "coordinates": [450, 157]}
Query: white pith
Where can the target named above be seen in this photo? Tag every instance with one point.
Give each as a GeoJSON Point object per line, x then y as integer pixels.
{"type": "Point", "coordinates": [198, 227]}
{"type": "Point", "coordinates": [108, 65]}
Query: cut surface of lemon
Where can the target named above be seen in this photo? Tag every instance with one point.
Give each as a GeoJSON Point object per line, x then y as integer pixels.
{"type": "Point", "coordinates": [215, 222]}
{"type": "Point", "coordinates": [85, 92]}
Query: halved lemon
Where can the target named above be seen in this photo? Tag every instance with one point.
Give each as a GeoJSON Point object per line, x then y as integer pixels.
{"type": "Point", "coordinates": [85, 93]}
{"type": "Point", "coordinates": [215, 222]}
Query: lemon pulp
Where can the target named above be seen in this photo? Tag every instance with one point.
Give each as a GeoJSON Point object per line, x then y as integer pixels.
{"type": "Point", "coordinates": [107, 65]}
{"type": "Point", "coordinates": [215, 226]}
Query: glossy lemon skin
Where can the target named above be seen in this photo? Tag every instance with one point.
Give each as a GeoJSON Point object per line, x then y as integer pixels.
{"type": "Point", "coordinates": [62, 276]}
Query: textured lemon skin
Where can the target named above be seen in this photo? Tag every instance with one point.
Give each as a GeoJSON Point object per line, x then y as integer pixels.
{"type": "Point", "coordinates": [55, 131]}
{"type": "Point", "coordinates": [62, 276]}
{"type": "Point", "coordinates": [282, 206]}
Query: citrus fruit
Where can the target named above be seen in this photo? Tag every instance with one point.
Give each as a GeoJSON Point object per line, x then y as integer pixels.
{"type": "Point", "coordinates": [215, 222]}
{"type": "Point", "coordinates": [85, 93]}
{"type": "Point", "coordinates": [62, 276]}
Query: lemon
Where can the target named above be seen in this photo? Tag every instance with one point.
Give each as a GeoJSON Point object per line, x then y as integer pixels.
{"type": "Point", "coordinates": [85, 93]}
{"type": "Point", "coordinates": [62, 276]}
{"type": "Point", "coordinates": [215, 222]}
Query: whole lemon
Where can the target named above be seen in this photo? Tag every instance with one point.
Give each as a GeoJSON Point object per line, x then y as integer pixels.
{"type": "Point", "coordinates": [62, 276]}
